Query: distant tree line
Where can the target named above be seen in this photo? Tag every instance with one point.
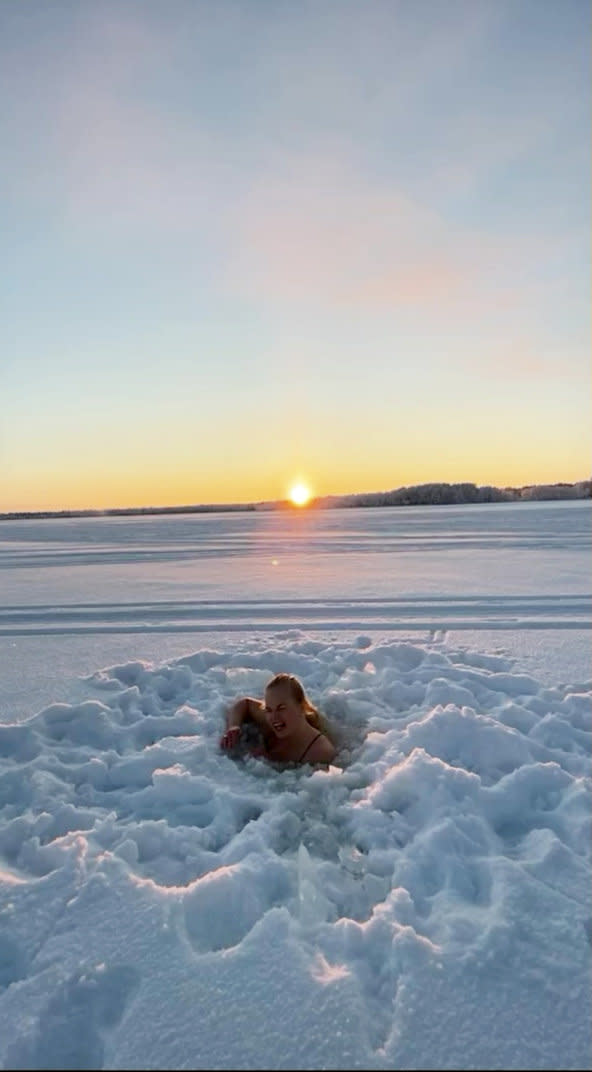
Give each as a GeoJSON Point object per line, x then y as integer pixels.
{"type": "Point", "coordinates": [581, 490]}
{"type": "Point", "coordinates": [129, 511]}
{"type": "Point", "coordinates": [451, 494]}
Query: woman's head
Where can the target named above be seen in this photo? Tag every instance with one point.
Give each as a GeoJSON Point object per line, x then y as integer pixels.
{"type": "Point", "coordinates": [286, 705]}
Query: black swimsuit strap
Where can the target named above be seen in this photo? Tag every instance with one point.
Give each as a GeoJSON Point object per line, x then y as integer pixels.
{"type": "Point", "coordinates": [309, 745]}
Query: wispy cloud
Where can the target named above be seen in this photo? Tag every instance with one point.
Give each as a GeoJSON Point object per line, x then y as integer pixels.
{"type": "Point", "coordinates": [320, 234]}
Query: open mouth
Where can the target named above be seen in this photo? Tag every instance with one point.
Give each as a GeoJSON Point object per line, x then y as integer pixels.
{"type": "Point", "coordinates": [277, 726]}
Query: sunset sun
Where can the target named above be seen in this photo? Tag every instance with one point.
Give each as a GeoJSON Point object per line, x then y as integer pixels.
{"type": "Point", "coordinates": [300, 494]}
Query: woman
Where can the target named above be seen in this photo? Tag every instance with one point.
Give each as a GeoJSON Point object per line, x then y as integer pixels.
{"type": "Point", "coordinates": [292, 729]}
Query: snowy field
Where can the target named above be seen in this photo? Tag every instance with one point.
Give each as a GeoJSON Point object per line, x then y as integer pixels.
{"type": "Point", "coordinates": [423, 903]}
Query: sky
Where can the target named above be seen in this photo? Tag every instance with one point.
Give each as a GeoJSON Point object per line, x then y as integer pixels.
{"type": "Point", "coordinates": [252, 243]}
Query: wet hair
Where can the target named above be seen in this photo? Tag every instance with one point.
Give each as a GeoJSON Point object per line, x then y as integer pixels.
{"type": "Point", "coordinates": [297, 692]}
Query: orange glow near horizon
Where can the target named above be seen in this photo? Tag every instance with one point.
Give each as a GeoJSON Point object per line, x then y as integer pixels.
{"type": "Point", "coordinates": [113, 491]}
{"type": "Point", "coordinates": [172, 477]}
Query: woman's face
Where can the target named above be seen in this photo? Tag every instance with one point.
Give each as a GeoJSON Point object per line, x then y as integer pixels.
{"type": "Point", "coordinates": [283, 712]}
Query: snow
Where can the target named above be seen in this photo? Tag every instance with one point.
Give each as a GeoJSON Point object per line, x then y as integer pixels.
{"type": "Point", "coordinates": [422, 903]}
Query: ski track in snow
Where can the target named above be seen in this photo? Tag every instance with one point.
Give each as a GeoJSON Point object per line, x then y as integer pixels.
{"type": "Point", "coordinates": [178, 616]}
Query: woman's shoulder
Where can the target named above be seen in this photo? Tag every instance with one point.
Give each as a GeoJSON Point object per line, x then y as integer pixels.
{"type": "Point", "coordinates": [321, 750]}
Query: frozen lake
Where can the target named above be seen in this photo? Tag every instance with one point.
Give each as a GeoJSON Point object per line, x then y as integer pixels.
{"type": "Point", "coordinates": [80, 593]}
{"type": "Point", "coordinates": [427, 895]}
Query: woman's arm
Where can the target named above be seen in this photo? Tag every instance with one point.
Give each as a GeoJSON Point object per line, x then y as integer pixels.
{"type": "Point", "coordinates": [246, 709]}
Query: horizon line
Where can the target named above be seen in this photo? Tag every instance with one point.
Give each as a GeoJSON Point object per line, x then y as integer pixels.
{"type": "Point", "coordinates": [254, 504]}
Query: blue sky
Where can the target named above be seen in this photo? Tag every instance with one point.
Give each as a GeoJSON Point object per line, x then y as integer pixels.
{"type": "Point", "coordinates": [247, 243]}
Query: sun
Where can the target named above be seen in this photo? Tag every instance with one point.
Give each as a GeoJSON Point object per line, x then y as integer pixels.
{"type": "Point", "coordinates": [300, 494]}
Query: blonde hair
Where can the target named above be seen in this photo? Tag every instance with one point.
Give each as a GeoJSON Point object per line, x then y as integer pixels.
{"type": "Point", "coordinates": [297, 691]}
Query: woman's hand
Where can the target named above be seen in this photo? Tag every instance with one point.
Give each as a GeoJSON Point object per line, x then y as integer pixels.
{"type": "Point", "coordinates": [230, 738]}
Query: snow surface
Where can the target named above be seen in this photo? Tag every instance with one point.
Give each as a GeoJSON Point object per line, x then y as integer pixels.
{"type": "Point", "coordinates": [423, 903]}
